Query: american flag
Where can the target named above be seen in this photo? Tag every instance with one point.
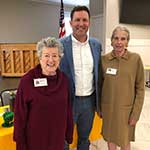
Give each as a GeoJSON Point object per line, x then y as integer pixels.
{"type": "Point", "coordinates": [62, 30]}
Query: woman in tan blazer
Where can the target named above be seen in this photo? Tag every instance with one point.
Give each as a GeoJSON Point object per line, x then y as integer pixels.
{"type": "Point", "coordinates": [122, 91]}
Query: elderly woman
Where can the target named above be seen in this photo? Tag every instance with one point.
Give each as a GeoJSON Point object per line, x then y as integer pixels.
{"type": "Point", "coordinates": [122, 91]}
{"type": "Point", "coordinates": [43, 116]}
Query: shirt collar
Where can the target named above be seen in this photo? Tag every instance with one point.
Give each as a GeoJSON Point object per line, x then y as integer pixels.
{"type": "Point", "coordinates": [78, 42]}
{"type": "Point", "coordinates": [113, 56]}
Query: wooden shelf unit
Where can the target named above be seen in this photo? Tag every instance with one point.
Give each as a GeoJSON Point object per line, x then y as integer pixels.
{"type": "Point", "coordinates": [17, 59]}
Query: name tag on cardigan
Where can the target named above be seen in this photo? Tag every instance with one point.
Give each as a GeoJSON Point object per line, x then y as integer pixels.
{"type": "Point", "coordinates": [111, 71]}
{"type": "Point", "coordinates": [40, 82]}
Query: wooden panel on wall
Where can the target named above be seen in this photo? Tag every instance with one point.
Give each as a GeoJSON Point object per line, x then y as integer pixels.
{"type": "Point", "coordinates": [17, 59]}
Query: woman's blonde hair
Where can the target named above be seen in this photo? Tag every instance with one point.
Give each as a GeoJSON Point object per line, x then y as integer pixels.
{"type": "Point", "coordinates": [121, 28]}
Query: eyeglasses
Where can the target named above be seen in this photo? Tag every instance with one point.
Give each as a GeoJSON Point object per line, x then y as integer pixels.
{"type": "Point", "coordinates": [52, 56]}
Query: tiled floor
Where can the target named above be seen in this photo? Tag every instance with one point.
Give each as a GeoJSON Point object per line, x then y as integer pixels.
{"type": "Point", "coordinates": [142, 140]}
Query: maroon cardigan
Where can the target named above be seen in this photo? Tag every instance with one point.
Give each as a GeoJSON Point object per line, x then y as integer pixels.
{"type": "Point", "coordinates": [43, 116]}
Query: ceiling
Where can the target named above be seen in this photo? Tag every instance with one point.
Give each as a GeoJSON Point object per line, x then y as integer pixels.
{"type": "Point", "coordinates": [67, 2]}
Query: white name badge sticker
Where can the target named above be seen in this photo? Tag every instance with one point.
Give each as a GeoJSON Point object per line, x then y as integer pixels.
{"type": "Point", "coordinates": [111, 71]}
{"type": "Point", "coordinates": [40, 82]}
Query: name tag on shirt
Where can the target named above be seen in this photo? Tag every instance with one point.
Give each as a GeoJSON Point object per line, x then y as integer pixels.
{"type": "Point", "coordinates": [40, 82]}
{"type": "Point", "coordinates": [111, 71]}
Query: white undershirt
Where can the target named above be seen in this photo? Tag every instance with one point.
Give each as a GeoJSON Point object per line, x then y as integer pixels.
{"type": "Point", "coordinates": [83, 66]}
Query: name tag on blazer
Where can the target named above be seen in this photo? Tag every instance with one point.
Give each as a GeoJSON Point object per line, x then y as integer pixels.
{"type": "Point", "coordinates": [40, 82]}
{"type": "Point", "coordinates": [111, 71]}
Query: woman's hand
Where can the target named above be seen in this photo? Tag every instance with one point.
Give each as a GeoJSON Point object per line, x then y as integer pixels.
{"type": "Point", "coordinates": [132, 122]}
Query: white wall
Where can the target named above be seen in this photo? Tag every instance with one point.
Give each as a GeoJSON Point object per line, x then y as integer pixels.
{"type": "Point", "coordinates": [140, 34]}
{"type": "Point", "coordinates": [23, 21]}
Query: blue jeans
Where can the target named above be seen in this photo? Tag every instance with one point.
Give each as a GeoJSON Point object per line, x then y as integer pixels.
{"type": "Point", "coordinates": [83, 113]}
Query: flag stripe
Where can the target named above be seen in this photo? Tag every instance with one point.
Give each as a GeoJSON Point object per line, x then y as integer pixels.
{"type": "Point", "coordinates": [62, 30]}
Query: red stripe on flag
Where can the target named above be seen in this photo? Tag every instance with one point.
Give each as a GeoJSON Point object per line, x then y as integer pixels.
{"type": "Point", "coordinates": [62, 30]}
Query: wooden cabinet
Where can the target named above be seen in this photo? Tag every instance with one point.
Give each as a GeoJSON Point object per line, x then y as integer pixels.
{"type": "Point", "coordinates": [17, 59]}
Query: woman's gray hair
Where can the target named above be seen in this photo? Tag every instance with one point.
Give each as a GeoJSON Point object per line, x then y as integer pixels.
{"type": "Point", "coordinates": [120, 28]}
{"type": "Point", "coordinates": [49, 42]}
